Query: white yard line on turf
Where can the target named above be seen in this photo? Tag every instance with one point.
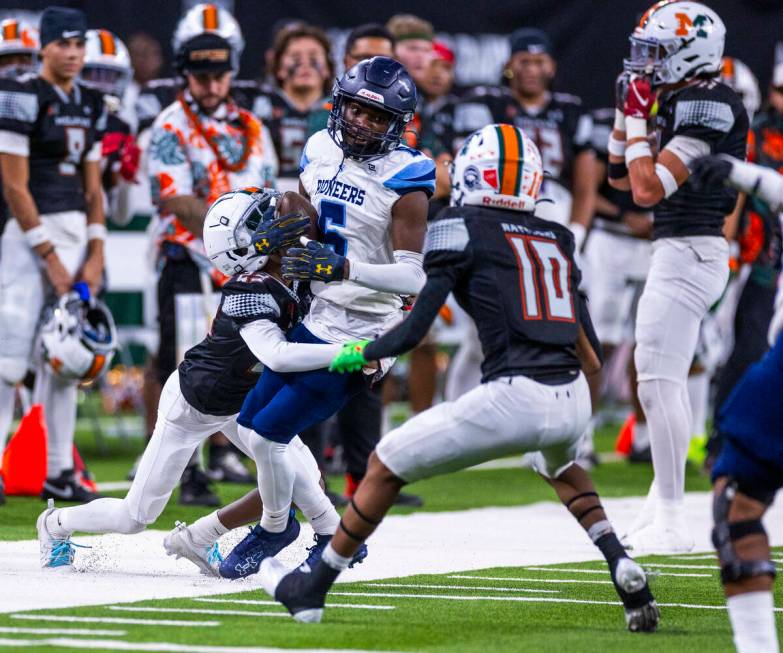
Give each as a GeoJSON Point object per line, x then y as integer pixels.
{"type": "Point", "coordinates": [163, 647]}
{"type": "Point", "coordinates": [115, 620]}
{"type": "Point", "coordinates": [350, 606]}
{"type": "Point", "coordinates": [463, 587]}
{"type": "Point", "coordinates": [523, 599]}
{"type": "Point", "coordinates": [235, 613]}
{"type": "Point", "coordinates": [603, 571]}
{"type": "Point", "coordinates": [584, 581]}
{"type": "Point", "coordinates": [125, 569]}
{"type": "Point", "coordinates": [63, 631]}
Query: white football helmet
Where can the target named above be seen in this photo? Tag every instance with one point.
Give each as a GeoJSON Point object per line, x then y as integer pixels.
{"type": "Point", "coordinates": [107, 63]}
{"type": "Point", "coordinates": [497, 166]}
{"type": "Point", "coordinates": [229, 226]}
{"type": "Point", "coordinates": [675, 41]}
{"type": "Point", "coordinates": [79, 338]}
{"type": "Point", "coordinates": [736, 75]}
{"type": "Point", "coordinates": [206, 17]}
{"type": "Point", "coordinates": [18, 37]}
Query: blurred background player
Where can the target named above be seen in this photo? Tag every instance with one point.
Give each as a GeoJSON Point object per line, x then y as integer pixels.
{"type": "Point", "coordinates": [536, 335]}
{"type": "Point", "coordinates": [676, 61]}
{"type": "Point", "coordinates": [50, 145]}
{"type": "Point", "coordinates": [201, 146]}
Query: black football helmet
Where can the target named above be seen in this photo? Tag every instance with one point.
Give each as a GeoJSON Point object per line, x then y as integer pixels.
{"type": "Point", "coordinates": [384, 84]}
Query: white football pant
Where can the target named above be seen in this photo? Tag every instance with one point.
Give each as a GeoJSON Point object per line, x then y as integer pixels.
{"type": "Point", "coordinates": [510, 415]}
{"type": "Point", "coordinates": [687, 276]}
{"type": "Point", "coordinates": [24, 290]}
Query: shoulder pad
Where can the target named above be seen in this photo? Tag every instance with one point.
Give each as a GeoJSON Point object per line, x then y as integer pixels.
{"type": "Point", "coordinates": [701, 110]}
{"type": "Point", "coordinates": [416, 173]}
{"type": "Point", "coordinates": [18, 101]}
{"type": "Point", "coordinates": [447, 233]}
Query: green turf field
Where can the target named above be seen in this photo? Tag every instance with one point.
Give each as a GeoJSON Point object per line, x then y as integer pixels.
{"type": "Point", "coordinates": [570, 607]}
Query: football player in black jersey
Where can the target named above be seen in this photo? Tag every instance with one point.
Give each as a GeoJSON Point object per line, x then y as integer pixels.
{"type": "Point", "coordinates": [50, 150]}
{"type": "Point", "coordinates": [205, 394]}
{"type": "Point", "coordinates": [675, 57]}
{"type": "Point", "coordinates": [515, 275]}
{"type": "Point", "coordinates": [557, 123]}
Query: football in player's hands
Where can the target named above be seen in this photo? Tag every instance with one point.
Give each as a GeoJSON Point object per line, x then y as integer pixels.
{"type": "Point", "coordinates": [639, 99]}
{"type": "Point", "coordinates": [351, 357]}
{"type": "Point", "coordinates": [709, 171]}
{"type": "Point", "coordinates": [291, 202]}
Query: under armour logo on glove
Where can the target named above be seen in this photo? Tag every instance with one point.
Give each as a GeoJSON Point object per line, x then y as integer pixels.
{"type": "Point", "coordinates": [280, 233]}
{"type": "Point", "coordinates": [315, 261]}
{"type": "Point", "coordinates": [639, 99]}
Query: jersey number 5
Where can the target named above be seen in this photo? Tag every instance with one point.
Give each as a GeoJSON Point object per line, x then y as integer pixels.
{"type": "Point", "coordinates": [544, 271]}
{"type": "Point", "coordinates": [333, 214]}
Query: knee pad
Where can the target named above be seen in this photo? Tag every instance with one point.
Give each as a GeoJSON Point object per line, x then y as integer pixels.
{"type": "Point", "coordinates": [12, 370]}
{"type": "Point", "coordinates": [725, 533]}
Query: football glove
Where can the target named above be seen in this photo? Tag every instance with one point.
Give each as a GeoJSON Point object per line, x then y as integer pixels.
{"type": "Point", "coordinates": [316, 262]}
{"type": "Point", "coordinates": [639, 99]}
{"type": "Point", "coordinates": [351, 357]}
{"type": "Point", "coordinates": [280, 233]}
{"type": "Point", "coordinates": [709, 171]}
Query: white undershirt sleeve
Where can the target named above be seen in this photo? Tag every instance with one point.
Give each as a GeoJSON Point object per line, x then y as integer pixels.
{"type": "Point", "coordinates": [405, 276]}
{"type": "Point", "coordinates": [268, 343]}
{"type": "Point", "coordinates": [687, 149]}
{"type": "Point", "coordinates": [764, 183]}
{"type": "Point", "coordinates": [14, 143]}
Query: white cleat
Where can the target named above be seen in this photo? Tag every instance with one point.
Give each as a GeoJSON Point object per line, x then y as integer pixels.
{"type": "Point", "coordinates": [54, 552]}
{"type": "Point", "coordinates": [658, 538]}
{"type": "Point", "coordinates": [179, 543]}
{"type": "Point", "coordinates": [630, 576]}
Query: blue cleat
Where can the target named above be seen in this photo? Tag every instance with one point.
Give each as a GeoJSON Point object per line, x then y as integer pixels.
{"type": "Point", "coordinates": [316, 551]}
{"type": "Point", "coordinates": [246, 557]}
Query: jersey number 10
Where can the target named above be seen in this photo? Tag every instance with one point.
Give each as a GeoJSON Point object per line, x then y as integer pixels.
{"type": "Point", "coordinates": [544, 271]}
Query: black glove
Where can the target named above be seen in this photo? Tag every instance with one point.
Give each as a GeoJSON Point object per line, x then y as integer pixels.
{"type": "Point", "coordinates": [317, 262]}
{"type": "Point", "coordinates": [621, 90]}
{"type": "Point", "coordinates": [709, 171]}
{"type": "Point", "coordinates": [280, 233]}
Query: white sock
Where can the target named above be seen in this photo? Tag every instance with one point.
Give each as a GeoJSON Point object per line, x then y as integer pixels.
{"type": "Point", "coordinates": [99, 516]}
{"type": "Point", "coordinates": [334, 559]}
{"type": "Point", "coordinates": [641, 436]}
{"type": "Point", "coordinates": [753, 622]}
{"type": "Point", "coordinates": [698, 395]}
{"type": "Point", "coordinates": [59, 400]}
{"type": "Point", "coordinates": [207, 530]}
{"type": "Point", "coordinates": [276, 474]}
{"type": "Point", "coordinates": [7, 401]}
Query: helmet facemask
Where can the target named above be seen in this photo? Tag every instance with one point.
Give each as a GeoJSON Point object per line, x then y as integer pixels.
{"type": "Point", "coordinates": [371, 144]}
{"type": "Point", "coordinates": [648, 58]}
{"type": "Point", "coordinates": [105, 79]}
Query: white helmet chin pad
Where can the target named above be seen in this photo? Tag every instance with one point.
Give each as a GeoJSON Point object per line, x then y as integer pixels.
{"type": "Point", "coordinates": [497, 166]}
{"type": "Point", "coordinates": [78, 338]}
{"type": "Point", "coordinates": [229, 226]}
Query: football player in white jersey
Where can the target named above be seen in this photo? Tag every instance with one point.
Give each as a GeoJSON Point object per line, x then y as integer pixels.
{"type": "Point", "coordinates": [371, 194]}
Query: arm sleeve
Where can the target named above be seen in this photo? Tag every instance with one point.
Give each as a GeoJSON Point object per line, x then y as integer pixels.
{"type": "Point", "coordinates": [412, 329]}
{"type": "Point", "coordinates": [761, 182]}
{"type": "Point", "coordinates": [268, 343]}
{"type": "Point", "coordinates": [167, 163]}
{"type": "Point", "coordinates": [405, 276]}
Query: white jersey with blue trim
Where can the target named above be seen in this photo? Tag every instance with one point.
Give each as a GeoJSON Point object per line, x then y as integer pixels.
{"type": "Point", "coordinates": [354, 201]}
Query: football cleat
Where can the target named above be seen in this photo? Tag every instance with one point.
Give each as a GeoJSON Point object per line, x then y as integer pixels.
{"type": "Point", "coordinates": [54, 551]}
{"type": "Point", "coordinates": [299, 590]}
{"type": "Point", "coordinates": [246, 557]}
{"type": "Point", "coordinates": [660, 539]}
{"type": "Point", "coordinates": [316, 551]}
{"type": "Point", "coordinates": [194, 489]}
{"type": "Point", "coordinates": [66, 487]}
{"type": "Point", "coordinates": [225, 465]}
{"type": "Point", "coordinates": [179, 543]}
{"type": "Point", "coordinates": [641, 611]}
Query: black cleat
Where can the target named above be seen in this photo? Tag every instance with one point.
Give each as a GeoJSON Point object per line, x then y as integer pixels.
{"type": "Point", "coordinates": [66, 487]}
{"type": "Point", "coordinates": [301, 591]}
{"type": "Point", "coordinates": [641, 611]}
{"type": "Point", "coordinates": [194, 489]}
{"type": "Point", "coordinates": [225, 465]}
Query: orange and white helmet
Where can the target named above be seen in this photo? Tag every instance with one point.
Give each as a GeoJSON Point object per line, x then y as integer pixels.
{"type": "Point", "coordinates": [497, 166]}
{"type": "Point", "coordinates": [107, 63]}
{"type": "Point", "coordinates": [19, 37]}
{"type": "Point", "coordinates": [209, 18]}
{"type": "Point", "coordinates": [736, 75]}
{"type": "Point", "coordinates": [677, 40]}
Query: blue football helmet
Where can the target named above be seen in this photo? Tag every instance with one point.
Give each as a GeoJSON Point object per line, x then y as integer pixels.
{"type": "Point", "coordinates": [381, 83]}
